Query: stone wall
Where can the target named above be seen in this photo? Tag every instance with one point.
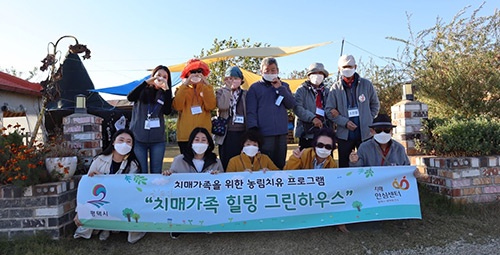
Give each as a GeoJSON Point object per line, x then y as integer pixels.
{"type": "Point", "coordinates": [463, 179]}
{"type": "Point", "coordinates": [45, 208]}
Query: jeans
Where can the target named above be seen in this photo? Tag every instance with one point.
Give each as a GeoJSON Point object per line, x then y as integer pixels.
{"type": "Point", "coordinates": [156, 154]}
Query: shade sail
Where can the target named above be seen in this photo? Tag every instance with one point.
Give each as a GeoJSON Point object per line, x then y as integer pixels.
{"type": "Point", "coordinates": [123, 90]}
{"type": "Point", "coordinates": [250, 78]}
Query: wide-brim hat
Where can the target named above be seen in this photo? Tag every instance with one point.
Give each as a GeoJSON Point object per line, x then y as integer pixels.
{"type": "Point", "coordinates": [382, 121]}
{"type": "Point", "coordinates": [317, 67]}
{"type": "Point", "coordinates": [194, 64]}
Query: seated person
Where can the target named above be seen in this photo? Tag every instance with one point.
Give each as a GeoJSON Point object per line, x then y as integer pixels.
{"type": "Point", "coordinates": [251, 159]}
{"type": "Point", "coordinates": [117, 158]}
{"type": "Point", "coordinates": [200, 158]}
{"type": "Point", "coordinates": [381, 150]}
{"type": "Point", "coordinates": [317, 157]}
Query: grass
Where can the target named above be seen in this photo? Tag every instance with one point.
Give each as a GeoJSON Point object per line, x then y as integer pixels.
{"type": "Point", "coordinates": [443, 222]}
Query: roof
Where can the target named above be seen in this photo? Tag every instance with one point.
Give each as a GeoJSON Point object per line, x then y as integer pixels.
{"type": "Point", "coordinates": [18, 85]}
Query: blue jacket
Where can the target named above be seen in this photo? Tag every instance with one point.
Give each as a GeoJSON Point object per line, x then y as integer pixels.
{"type": "Point", "coordinates": [263, 113]}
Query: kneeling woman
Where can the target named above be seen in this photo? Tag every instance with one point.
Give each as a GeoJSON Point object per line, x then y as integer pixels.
{"type": "Point", "coordinates": [117, 158]}
{"type": "Point", "coordinates": [251, 159]}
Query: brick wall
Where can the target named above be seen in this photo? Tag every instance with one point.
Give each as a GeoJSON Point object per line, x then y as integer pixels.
{"type": "Point", "coordinates": [47, 208]}
{"type": "Point", "coordinates": [464, 180]}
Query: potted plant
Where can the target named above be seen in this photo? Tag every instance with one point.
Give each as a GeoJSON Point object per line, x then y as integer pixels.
{"type": "Point", "coordinates": [60, 159]}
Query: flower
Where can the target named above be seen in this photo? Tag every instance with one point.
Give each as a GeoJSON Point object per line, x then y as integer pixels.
{"type": "Point", "coordinates": [20, 164]}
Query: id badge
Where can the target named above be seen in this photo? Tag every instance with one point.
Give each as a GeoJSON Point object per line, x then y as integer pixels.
{"type": "Point", "coordinates": [353, 112]}
{"type": "Point", "coordinates": [195, 110]}
{"type": "Point", "coordinates": [146, 125]}
{"type": "Point", "coordinates": [320, 112]}
{"type": "Point", "coordinates": [154, 123]}
{"type": "Point", "coordinates": [239, 119]}
{"type": "Point", "coordinates": [278, 100]}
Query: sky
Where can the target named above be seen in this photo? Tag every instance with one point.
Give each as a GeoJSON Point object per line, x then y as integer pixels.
{"type": "Point", "coordinates": [128, 37]}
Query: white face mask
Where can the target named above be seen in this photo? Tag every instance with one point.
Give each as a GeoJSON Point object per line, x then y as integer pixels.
{"type": "Point", "coordinates": [323, 152]}
{"type": "Point", "coordinates": [199, 148]}
{"type": "Point", "coordinates": [251, 150]}
{"type": "Point", "coordinates": [122, 148]}
{"type": "Point", "coordinates": [316, 79]}
{"type": "Point", "coordinates": [270, 77]}
{"type": "Point", "coordinates": [382, 137]}
{"type": "Point", "coordinates": [196, 79]}
{"type": "Point", "coordinates": [348, 72]}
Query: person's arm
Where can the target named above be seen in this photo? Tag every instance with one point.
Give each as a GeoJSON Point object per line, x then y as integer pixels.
{"type": "Point", "coordinates": [331, 109]}
{"type": "Point", "coordinates": [288, 99]}
{"type": "Point", "coordinates": [209, 102]}
{"type": "Point", "coordinates": [300, 111]}
{"type": "Point", "coordinates": [167, 103]}
{"type": "Point", "coordinates": [136, 92]}
{"type": "Point", "coordinates": [252, 106]}
{"type": "Point", "coordinates": [293, 163]}
{"type": "Point", "coordinates": [180, 98]}
{"type": "Point", "coordinates": [223, 96]}
{"type": "Point", "coordinates": [374, 101]}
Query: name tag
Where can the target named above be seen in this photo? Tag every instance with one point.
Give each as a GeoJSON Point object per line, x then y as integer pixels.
{"type": "Point", "coordinates": [239, 119]}
{"type": "Point", "coordinates": [146, 125]}
{"type": "Point", "coordinates": [354, 112]}
{"type": "Point", "coordinates": [320, 112]}
{"type": "Point", "coordinates": [154, 123]}
{"type": "Point", "coordinates": [278, 100]}
{"type": "Point", "coordinates": [195, 110]}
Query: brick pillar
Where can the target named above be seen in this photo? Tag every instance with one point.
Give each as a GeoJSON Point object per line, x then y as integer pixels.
{"type": "Point", "coordinates": [407, 116]}
{"type": "Point", "coordinates": [83, 131]}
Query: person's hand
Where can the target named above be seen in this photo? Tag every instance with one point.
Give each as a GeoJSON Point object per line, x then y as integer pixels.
{"type": "Point", "coordinates": [167, 172]}
{"type": "Point", "coordinates": [204, 79]}
{"type": "Point", "coordinates": [417, 173]}
{"type": "Point", "coordinates": [248, 170]}
{"type": "Point", "coordinates": [334, 113]}
{"type": "Point", "coordinates": [276, 83]}
{"type": "Point", "coordinates": [77, 221]}
{"type": "Point", "coordinates": [351, 126]}
{"type": "Point", "coordinates": [91, 174]}
{"type": "Point", "coordinates": [297, 153]}
{"type": "Point", "coordinates": [264, 170]}
{"type": "Point", "coordinates": [317, 123]}
{"type": "Point", "coordinates": [353, 157]}
{"type": "Point", "coordinates": [214, 172]}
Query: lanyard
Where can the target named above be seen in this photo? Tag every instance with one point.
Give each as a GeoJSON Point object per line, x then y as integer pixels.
{"type": "Point", "coordinates": [150, 112]}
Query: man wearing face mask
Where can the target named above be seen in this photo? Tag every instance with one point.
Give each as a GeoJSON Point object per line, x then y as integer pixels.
{"type": "Point", "coordinates": [310, 99]}
{"type": "Point", "coordinates": [267, 103]}
{"type": "Point", "coordinates": [352, 104]}
{"type": "Point", "coordinates": [382, 150]}
{"type": "Point", "coordinates": [231, 104]}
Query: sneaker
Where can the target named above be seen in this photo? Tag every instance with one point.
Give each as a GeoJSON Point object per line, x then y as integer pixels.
{"type": "Point", "coordinates": [175, 235]}
{"type": "Point", "coordinates": [103, 236]}
{"type": "Point", "coordinates": [83, 233]}
{"type": "Point", "coordinates": [133, 237]}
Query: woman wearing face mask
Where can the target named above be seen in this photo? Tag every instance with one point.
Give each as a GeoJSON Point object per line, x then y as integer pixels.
{"type": "Point", "coordinates": [231, 104]}
{"type": "Point", "coordinates": [310, 99]}
{"type": "Point", "coordinates": [200, 158]}
{"type": "Point", "coordinates": [194, 100]}
{"type": "Point", "coordinates": [381, 150]}
{"type": "Point", "coordinates": [250, 158]}
{"type": "Point", "coordinates": [317, 157]}
{"type": "Point", "coordinates": [117, 158]}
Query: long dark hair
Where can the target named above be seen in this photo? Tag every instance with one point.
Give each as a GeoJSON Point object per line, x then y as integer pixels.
{"type": "Point", "coordinates": [210, 156]}
{"type": "Point", "coordinates": [328, 132]}
{"type": "Point", "coordinates": [131, 156]}
{"type": "Point", "coordinates": [149, 95]}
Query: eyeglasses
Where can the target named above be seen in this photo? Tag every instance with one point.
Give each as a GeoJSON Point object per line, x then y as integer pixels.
{"type": "Point", "coordinates": [379, 130]}
{"type": "Point", "coordinates": [196, 71]}
{"type": "Point", "coordinates": [326, 146]}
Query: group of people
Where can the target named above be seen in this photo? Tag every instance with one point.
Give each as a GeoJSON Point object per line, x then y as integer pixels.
{"type": "Point", "coordinates": [344, 115]}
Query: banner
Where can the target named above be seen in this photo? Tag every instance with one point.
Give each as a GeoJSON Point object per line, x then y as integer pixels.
{"type": "Point", "coordinates": [236, 202]}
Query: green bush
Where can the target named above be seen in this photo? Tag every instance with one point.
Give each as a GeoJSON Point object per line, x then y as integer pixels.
{"type": "Point", "coordinates": [460, 137]}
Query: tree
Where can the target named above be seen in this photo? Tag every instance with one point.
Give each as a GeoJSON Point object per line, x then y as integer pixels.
{"type": "Point", "coordinates": [127, 212]}
{"type": "Point", "coordinates": [388, 81]}
{"type": "Point", "coordinates": [455, 67]}
{"type": "Point", "coordinates": [136, 217]}
{"type": "Point", "coordinates": [12, 71]}
{"type": "Point", "coordinates": [357, 205]}
{"type": "Point", "coordinates": [217, 69]}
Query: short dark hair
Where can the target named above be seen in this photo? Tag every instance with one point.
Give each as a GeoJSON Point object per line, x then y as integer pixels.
{"type": "Point", "coordinates": [328, 132]}
{"type": "Point", "coordinates": [253, 136]}
{"type": "Point", "coordinates": [268, 61]}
